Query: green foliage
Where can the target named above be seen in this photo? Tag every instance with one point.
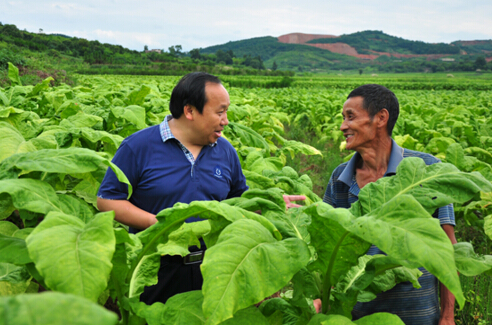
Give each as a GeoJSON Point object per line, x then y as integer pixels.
{"type": "Point", "coordinates": [56, 143]}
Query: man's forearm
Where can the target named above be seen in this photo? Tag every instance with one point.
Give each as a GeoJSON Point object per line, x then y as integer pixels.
{"type": "Point", "coordinates": [447, 305]}
{"type": "Point", "coordinates": [127, 213]}
{"type": "Point", "coordinates": [447, 298]}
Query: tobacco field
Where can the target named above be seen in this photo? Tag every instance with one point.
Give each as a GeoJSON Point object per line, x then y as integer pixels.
{"type": "Point", "coordinates": [61, 259]}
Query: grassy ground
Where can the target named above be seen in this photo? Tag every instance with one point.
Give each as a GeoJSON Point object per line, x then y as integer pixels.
{"type": "Point", "coordinates": [318, 168]}
{"type": "Point", "coordinates": [478, 289]}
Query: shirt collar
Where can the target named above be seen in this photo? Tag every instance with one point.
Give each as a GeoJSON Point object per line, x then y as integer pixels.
{"type": "Point", "coordinates": [166, 133]}
{"type": "Point", "coordinates": [396, 157]}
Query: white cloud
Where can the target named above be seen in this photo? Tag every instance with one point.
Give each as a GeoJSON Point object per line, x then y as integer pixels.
{"type": "Point", "coordinates": [193, 24]}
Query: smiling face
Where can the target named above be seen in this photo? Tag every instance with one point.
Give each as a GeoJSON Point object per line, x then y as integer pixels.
{"type": "Point", "coordinates": [210, 123]}
{"type": "Point", "coordinates": [358, 128]}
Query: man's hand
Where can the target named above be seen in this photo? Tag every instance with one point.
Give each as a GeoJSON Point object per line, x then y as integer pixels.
{"type": "Point", "coordinates": [288, 199]}
{"type": "Point", "coordinates": [317, 305]}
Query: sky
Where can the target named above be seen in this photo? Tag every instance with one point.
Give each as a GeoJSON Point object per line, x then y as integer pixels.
{"type": "Point", "coordinates": [199, 24]}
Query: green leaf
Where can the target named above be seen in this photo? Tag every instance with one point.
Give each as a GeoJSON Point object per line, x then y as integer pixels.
{"type": "Point", "coordinates": [380, 319]}
{"type": "Point", "coordinates": [405, 231]}
{"type": "Point", "coordinates": [296, 147]}
{"type": "Point", "coordinates": [14, 75]}
{"type": "Point", "coordinates": [257, 181]}
{"type": "Point", "coordinates": [488, 226]}
{"type": "Point", "coordinates": [432, 186]}
{"type": "Point", "coordinates": [181, 309]}
{"type": "Point", "coordinates": [246, 265]}
{"type": "Point", "coordinates": [334, 245]}
{"type": "Point", "coordinates": [28, 194]}
{"type": "Point", "coordinates": [137, 97]}
{"type": "Point", "coordinates": [53, 308]}
{"type": "Point", "coordinates": [10, 140]}
{"type": "Point", "coordinates": [291, 314]}
{"type": "Point", "coordinates": [133, 114]}
{"type": "Point", "coordinates": [43, 85]}
{"type": "Point", "coordinates": [14, 279]}
{"type": "Point", "coordinates": [255, 162]}
{"type": "Point", "coordinates": [66, 161]}
{"type": "Point", "coordinates": [322, 319]}
{"type": "Point", "coordinates": [7, 228]}
{"type": "Point", "coordinates": [13, 250]}
{"type": "Point", "coordinates": [248, 316]}
{"type": "Point", "coordinates": [81, 262]}
{"type": "Point", "coordinates": [145, 274]}
{"type": "Point", "coordinates": [247, 136]}
{"type": "Point", "coordinates": [187, 235]}
{"type": "Point", "coordinates": [469, 263]}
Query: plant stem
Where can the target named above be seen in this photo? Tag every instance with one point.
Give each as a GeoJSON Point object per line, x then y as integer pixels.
{"type": "Point", "coordinates": [326, 281]}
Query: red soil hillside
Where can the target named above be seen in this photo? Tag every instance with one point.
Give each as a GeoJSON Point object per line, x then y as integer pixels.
{"type": "Point", "coordinates": [341, 48]}
{"type": "Point", "coordinates": [300, 38]}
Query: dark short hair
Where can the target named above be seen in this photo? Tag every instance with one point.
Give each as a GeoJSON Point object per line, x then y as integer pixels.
{"type": "Point", "coordinates": [190, 90]}
{"type": "Point", "coordinates": [375, 98]}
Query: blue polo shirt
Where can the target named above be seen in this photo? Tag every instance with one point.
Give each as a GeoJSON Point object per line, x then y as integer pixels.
{"type": "Point", "coordinates": [413, 306]}
{"type": "Point", "coordinates": [163, 172]}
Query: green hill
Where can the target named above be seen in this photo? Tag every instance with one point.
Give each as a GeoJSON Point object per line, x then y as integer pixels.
{"type": "Point", "coordinates": [287, 56]}
{"type": "Point", "coordinates": [373, 40]}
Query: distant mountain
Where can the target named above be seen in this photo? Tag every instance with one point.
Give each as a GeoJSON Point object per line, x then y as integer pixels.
{"type": "Point", "coordinates": [315, 51]}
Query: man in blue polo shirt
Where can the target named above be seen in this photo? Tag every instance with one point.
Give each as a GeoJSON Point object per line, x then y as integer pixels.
{"type": "Point", "coordinates": [369, 115]}
{"type": "Point", "coordinates": [183, 159]}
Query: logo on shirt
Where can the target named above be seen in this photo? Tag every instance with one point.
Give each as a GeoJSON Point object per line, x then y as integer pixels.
{"type": "Point", "coordinates": [217, 171]}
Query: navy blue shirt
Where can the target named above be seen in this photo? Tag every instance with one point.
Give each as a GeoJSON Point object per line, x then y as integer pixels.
{"type": "Point", "coordinates": [163, 172]}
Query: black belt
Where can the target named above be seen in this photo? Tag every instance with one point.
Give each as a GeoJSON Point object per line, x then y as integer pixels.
{"type": "Point", "coordinates": [193, 257]}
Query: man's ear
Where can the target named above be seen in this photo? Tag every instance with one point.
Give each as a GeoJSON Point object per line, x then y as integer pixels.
{"type": "Point", "coordinates": [383, 117]}
{"type": "Point", "coordinates": [188, 111]}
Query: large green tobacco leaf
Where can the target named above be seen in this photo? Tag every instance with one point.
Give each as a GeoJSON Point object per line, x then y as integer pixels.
{"type": "Point", "coordinates": [137, 97]}
{"type": "Point", "coordinates": [66, 161]}
{"type": "Point", "coordinates": [10, 140]}
{"type": "Point", "coordinates": [181, 309]}
{"type": "Point", "coordinates": [257, 181]}
{"type": "Point", "coordinates": [432, 186]}
{"type": "Point", "coordinates": [255, 162]}
{"type": "Point", "coordinates": [469, 263]}
{"type": "Point", "coordinates": [133, 114]}
{"type": "Point", "coordinates": [27, 194]}
{"type": "Point", "coordinates": [13, 250]}
{"type": "Point", "coordinates": [171, 219]}
{"type": "Point", "coordinates": [247, 136]}
{"type": "Point", "coordinates": [335, 246]}
{"type": "Point", "coordinates": [72, 256]}
{"type": "Point", "coordinates": [405, 231]}
{"type": "Point", "coordinates": [246, 265]}
{"type": "Point", "coordinates": [53, 308]}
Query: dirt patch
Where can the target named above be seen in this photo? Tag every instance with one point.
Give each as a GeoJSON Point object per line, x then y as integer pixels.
{"type": "Point", "coordinates": [300, 38]}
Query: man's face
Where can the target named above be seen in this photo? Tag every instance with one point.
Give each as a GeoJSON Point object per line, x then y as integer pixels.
{"type": "Point", "coordinates": [211, 122]}
{"type": "Point", "coordinates": [357, 127]}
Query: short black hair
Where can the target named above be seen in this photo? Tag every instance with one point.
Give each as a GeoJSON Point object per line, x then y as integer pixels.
{"type": "Point", "coordinates": [375, 98]}
{"type": "Point", "coordinates": [190, 90]}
